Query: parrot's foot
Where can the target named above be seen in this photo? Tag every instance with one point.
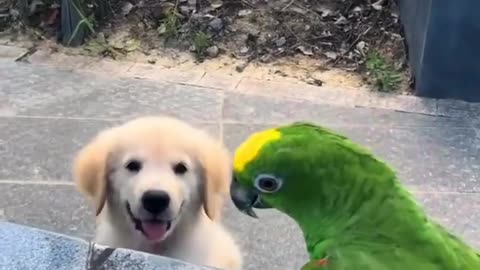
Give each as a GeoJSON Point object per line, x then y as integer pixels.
{"type": "Point", "coordinates": [316, 264]}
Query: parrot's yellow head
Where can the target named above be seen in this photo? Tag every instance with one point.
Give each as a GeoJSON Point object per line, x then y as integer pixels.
{"type": "Point", "coordinates": [288, 166]}
{"type": "Point", "coordinates": [250, 149]}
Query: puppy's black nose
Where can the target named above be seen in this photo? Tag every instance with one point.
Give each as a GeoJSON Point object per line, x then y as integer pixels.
{"type": "Point", "coordinates": [155, 201]}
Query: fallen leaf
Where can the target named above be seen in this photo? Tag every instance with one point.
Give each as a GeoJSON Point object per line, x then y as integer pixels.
{"type": "Point", "coordinates": [378, 5]}
{"type": "Point", "coordinates": [216, 4]}
{"type": "Point", "coordinates": [162, 29]}
{"type": "Point", "coordinates": [244, 12]}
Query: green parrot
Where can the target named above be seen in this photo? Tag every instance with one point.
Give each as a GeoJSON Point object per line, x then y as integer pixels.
{"type": "Point", "coordinates": [352, 209]}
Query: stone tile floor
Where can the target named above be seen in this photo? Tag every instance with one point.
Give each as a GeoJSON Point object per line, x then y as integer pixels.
{"type": "Point", "coordinates": [47, 113]}
{"type": "Point", "coordinates": [47, 250]}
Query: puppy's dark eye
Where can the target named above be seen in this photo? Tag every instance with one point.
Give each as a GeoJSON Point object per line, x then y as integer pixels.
{"type": "Point", "coordinates": [180, 168]}
{"type": "Point", "coordinates": [133, 165]}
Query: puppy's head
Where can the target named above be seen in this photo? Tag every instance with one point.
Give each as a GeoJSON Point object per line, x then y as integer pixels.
{"type": "Point", "coordinates": [153, 172]}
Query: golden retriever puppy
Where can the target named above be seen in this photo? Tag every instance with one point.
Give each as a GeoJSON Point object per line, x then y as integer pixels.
{"type": "Point", "coordinates": [158, 185]}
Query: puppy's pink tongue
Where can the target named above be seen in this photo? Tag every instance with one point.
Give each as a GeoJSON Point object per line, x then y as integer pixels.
{"type": "Point", "coordinates": [154, 230]}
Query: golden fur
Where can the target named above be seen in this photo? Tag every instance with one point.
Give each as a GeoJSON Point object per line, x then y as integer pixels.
{"type": "Point", "coordinates": [197, 197]}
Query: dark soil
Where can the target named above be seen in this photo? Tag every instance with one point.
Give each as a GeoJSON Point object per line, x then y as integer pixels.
{"type": "Point", "coordinates": [340, 32]}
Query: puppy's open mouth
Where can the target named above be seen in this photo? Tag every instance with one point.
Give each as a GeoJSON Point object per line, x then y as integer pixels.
{"type": "Point", "coordinates": [154, 229]}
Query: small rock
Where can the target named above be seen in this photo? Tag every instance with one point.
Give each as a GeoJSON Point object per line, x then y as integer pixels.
{"type": "Point", "coordinates": [162, 29]}
{"type": "Point", "coordinates": [361, 46]}
{"type": "Point", "coordinates": [350, 55]}
{"type": "Point", "coordinates": [34, 4]}
{"type": "Point", "coordinates": [14, 13]}
{"type": "Point", "coordinates": [341, 20]}
{"type": "Point", "coordinates": [185, 10]}
{"type": "Point", "coordinates": [241, 67]}
{"type": "Point", "coordinates": [152, 61]}
{"type": "Point", "coordinates": [280, 42]}
{"type": "Point", "coordinates": [301, 11]}
{"type": "Point", "coordinates": [244, 12]}
{"type": "Point", "coordinates": [357, 9]}
{"type": "Point", "coordinates": [213, 51]}
{"type": "Point", "coordinates": [263, 38]}
{"type": "Point", "coordinates": [331, 55]}
{"type": "Point", "coordinates": [266, 58]}
{"type": "Point", "coordinates": [305, 51]}
{"type": "Point", "coordinates": [216, 24]}
{"type": "Point", "coordinates": [326, 33]}
{"type": "Point", "coordinates": [101, 38]}
{"type": "Point", "coordinates": [244, 51]}
{"type": "Point", "coordinates": [313, 81]}
{"type": "Point", "coordinates": [127, 7]}
{"type": "Point", "coordinates": [281, 73]}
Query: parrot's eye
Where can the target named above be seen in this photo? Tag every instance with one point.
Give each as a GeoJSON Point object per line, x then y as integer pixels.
{"type": "Point", "coordinates": [267, 183]}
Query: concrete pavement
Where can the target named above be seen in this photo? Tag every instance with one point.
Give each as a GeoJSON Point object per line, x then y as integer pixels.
{"type": "Point", "coordinates": [47, 113]}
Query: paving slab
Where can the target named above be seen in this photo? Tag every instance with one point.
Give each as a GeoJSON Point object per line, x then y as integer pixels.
{"type": "Point", "coordinates": [55, 207]}
{"type": "Point", "coordinates": [47, 145]}
{"type": "Point", "coordinates": [459, 108]}
{"type": "Point", "coordinates": [29, 90]}
{"type": "Point", "coordinates": [47, 113]}
{"type": "Point", "coordinates": [44, 207]}
{"type": "Point", "coordinates": [426, 158]}
{"type": "Point", "coordinates": [39, 149]}
{"type": "Point", "coordinates": [27, 248]}
{"type": "Point", "coordinates": [11, 52]}
{"type": "Point", "coordinates": [245, 108]}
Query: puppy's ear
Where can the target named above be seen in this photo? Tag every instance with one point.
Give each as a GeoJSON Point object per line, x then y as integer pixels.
{"type": "Point", "coordinates": [217, 170]}
{"type": "Point", "coordinates": [90, 170]}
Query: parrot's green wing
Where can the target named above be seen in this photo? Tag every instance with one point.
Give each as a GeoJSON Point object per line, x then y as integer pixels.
{"type": "Point", "coordinates": [391, 259]}
{"type": "Point", "coordinates": [350, 206]}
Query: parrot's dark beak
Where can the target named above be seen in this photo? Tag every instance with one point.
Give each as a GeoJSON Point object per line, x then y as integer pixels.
{"type": "Point", "coordinates": [246, 199]}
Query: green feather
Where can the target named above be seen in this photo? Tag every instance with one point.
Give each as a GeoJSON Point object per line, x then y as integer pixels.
{"type": "Point", "coordinates": [350, 205]}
